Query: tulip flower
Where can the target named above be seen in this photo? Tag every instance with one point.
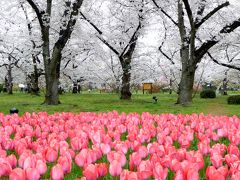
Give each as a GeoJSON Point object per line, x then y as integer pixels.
{"type": "Point", "coordinates": [145, 169]}
{"type": "Point", "coordinates": [126, 175]}
{"type": "Point", "coordinates": [5, 168]}
{"type": "Point", "coordinates": [80, 158]}
{"type": "Point", "coordinates": [105, 148]}
{"type": "Point", "coordinates": [32, 174]}
{"type": "Point", "coordinates": [66, 164]}
{"type": "Point", "coordinates": [41, 167]}
{"type": "Point", "coordinates": [115, 168]}
{"type": "Point", "coordinates": [12, 160]}
{"type": "Point", "coordinates": [233, 149]}
{"type": "Point", "coordinates": [159, 172]}
{"type": "Point", "coordinates": [134, 160]}
{"type": "Point", "coordinates": [102, 169]}
{"type": "Point", "coordinates": [179, 175]}
{"type": "Point", "coordinates": [216, 160]}
{"type": "Point", "coordinates": [91, 172]}
{"type": "Point", "coordinates": [17, 174]}
{"type": "Point", "coordinates": [51, 155]}
{"type": "Point", "coordinates": [57, 172]}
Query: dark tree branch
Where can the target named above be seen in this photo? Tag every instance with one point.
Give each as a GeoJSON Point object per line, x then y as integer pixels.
{"type": "Point", "coordinates": [231, 27]}
{"type": "Point", "coordinates": [164, 12]}
{"type": "Point", "coordinates": [189, 12]}
{"type": "Point", "coordinates": [223, 64]}
{"type": "Point", "coordinates": [91, 23]}
{"type": "Point", "coordinates": [66, 29]}
{"type": "Point", "coordinates": [132, 41]}
{"type": "Point", "coordinates": [210, 14]}
{"type": "Point", "coordinates": [69, 77]}
{"type": "Point", "coordinates": [100, 34]}
{"type": "Point", "coordinates": [108, 45]}
{"type": "Point", "coordinates": [201, 51]}
{"type": "Point", "coordinates": [160, 47]}
{"type": "Point", "coordinates": [4, 65]}
{"type": "Point", "coordinates": [38, 12]}
{"type": "Point", "coordinates": [67, 64]}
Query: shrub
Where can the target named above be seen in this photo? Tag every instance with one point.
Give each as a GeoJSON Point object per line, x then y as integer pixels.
{"type": "Point", "coordinates": [234, 99]}
{"type": "Point", "coordinates": [208, 94]}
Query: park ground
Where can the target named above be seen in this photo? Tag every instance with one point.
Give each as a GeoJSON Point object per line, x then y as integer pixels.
{"type": "Point", "coordinates": [96, 102]}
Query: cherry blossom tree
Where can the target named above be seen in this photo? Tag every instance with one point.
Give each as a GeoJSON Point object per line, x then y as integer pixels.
{"type": "Point", "coordinates": [123, 35]}
{"type": "Point", "coordinates": [53, 46]}
{"type": "Point", "coordinates": [192, 18]}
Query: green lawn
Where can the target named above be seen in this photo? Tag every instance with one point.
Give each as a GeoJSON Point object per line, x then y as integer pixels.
{"type": "Point", "coordinates": [96, 102]}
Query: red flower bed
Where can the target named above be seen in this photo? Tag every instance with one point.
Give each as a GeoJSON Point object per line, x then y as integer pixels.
{"type": "Point", "coordinates": [111, 145]}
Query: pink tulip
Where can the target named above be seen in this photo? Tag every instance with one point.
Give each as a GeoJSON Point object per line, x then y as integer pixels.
{"type": "Point", "coordinates": [145, 169]}
{"type": "Point", "coordinates": [159, 172]}
{"type": "Point", "coordinates": [66, 164]}
{"type": "Point", "coordinates": [5, 168]}
{"type": "Point", "coordinates": [176, 165]}
{"type": "Point", "coordinates": [119, 156]}
{"type": "Point", "coordinates": [17, 174]}
{"type": "Point", "coordinates": [210, 171]}
{"type": "Point", "coordinates": [51, 155]}
{"type": "Point", "coordinates": [28, 163]}
{"type": "Point", "coordinates": [236, 176]}
{"type": "Point", "coordinates": [134, 160]}
{"type": "Point", "coordinates": [142, 151]}
{"type": "Point", "coordinates": [115, 168]}
{"type": "Point", "coordinates": [121, 147]}
{"type": "Point", "coordinates": [57, 172]}
{"type": "Point", "coordinates": [216, 160]}
{"type": "Point", "coordinates": [3, 153]}
{"type": "Point", "coordinates": [223, 170]}
{"type": "Point", "coordinates": [233, 149]}
{"type": "Point", "coordinates": [231, 158]}
{"type": "Point", "coordinates": [76, 143]}
{"type": "Point", "coordinates": [204, 147]}
{"type": "Point", "coordinates": [32, 174]}
{"type": "Point", "coordinates": [12, 160]}
{"type": "Point", "coordinates": [91, 157]}
{"type": "Point", "coordinates": [41, 167]}
{"type": "Point", "coordinates": [192, 174]}
{"type": "Point", "coordinates": [102, 169]}
{"type": "Point", "coordinates": [179, 175]}
{"type": "Point", "coordinates": [80, 159]}
{"type": "Point", "coordinates": [218, 149]}
{"type": "Point", "coordinates": [90, 172]}
{"type": "Point", "coordinates": [222, 132]}
{"type": "Point", "coordinates": [105, 148]}
{"type": "Point", "coordinates": [166, 161]}
{"type": "Point", "coordinates": [126, 175]}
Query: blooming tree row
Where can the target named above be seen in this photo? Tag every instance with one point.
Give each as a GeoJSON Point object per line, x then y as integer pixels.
{"type": "Point", "coordinates": [87, 36]}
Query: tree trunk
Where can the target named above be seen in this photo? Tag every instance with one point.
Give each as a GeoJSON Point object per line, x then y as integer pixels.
{"type": "Point", "coordinates": [9, 78]}
{"type": "Point", "coordinates": [186, 85]}
{"type": "Point", "coordinates": [52, 74]}
{"type": "Point", "coordinates": [126, 77]}
{"type": "Point", "coordinates": [51, 96]}
{"type": "Point", "coordinates": [187, 58]}
{"type": "Point", "coordinates": [34, 78]}
{"type": "Point", "coordinates": [125, 89]}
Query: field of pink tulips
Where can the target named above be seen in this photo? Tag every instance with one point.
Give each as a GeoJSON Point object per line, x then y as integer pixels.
{"type": "Point", "coordinates": [119, 146]}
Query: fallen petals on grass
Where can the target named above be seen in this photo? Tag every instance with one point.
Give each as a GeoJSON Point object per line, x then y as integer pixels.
{"type": "Point", "coordinates": [111, 145]}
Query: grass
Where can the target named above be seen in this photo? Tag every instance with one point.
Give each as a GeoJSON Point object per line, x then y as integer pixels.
{"type": "Point", "coordinates": [107, 102]}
